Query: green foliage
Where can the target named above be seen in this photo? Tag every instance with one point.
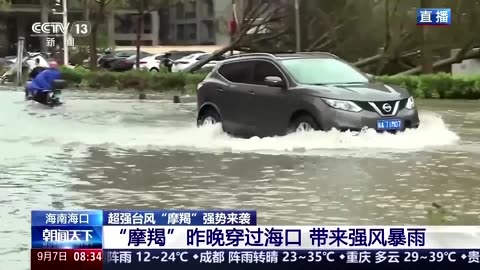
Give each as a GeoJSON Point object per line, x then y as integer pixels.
{"type": "Point", "coordinates": [73, 76]}
{"type": "Point", "coordinates": [195, 78]}
{"type": "Point", "coordinates": [441, 85]}
{"type": "Point", "coordinates": [172, 81]}
{"type": "Point", "coordinates": [101, 79]}
{"type": "Point", "coordinates": [134, 79]}
{"type": "Point", "coordinates": [5, 3]}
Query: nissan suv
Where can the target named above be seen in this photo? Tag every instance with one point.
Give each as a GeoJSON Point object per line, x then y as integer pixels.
{"type": "Point", "coordinates": [262, 94]}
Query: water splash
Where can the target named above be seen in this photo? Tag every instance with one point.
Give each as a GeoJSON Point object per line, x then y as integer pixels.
{"type": "Point", "coordinates": [162, 125]}
{"type": "Point", "coordinates": [433, 132]}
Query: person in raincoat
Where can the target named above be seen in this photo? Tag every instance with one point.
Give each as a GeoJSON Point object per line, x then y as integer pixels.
{"type": "Point", "coordinates": [42, 85]}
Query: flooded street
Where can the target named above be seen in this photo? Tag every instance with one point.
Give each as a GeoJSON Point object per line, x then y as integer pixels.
{"type": "Point", "coordinates": [106, 151]}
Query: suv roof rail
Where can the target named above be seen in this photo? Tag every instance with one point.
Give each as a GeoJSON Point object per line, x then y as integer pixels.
{"type": "Point", "coordinates": [275, 53]}
{"type": "Point", "coordinates": [250, 54]}
{"type": "Point", "coordinates": [320, 53]}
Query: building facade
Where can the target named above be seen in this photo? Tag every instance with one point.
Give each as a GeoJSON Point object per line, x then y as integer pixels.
{"type": "Point", "coordinates": [180, 22]}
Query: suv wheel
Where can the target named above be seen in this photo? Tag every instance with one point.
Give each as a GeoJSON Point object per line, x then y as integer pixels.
{"type": "Point", "coordinates": [154, 69]}
{"type": "Point", "coordinates": [208, 117]}
{"type": "Point", "coordinates": [303, 123]}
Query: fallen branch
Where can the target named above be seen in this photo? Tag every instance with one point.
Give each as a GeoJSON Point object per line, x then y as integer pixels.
{"type": "Point", "coordinates": [257, 16]}
{"type": "Point", "coordinates": [379, 56]}
{"type": "Point", "coordinates": [458, 58]}
{"type": "Point", "coordinates": [315, 44]}
{"type": "Point", "coordinates": [321, 46]}
{"type": "Point", "coordinates": [404, 64]}
{"type": "Point", "coordinates": [198, 65]}
{"type": "Point", "coordinates": [369, 60]}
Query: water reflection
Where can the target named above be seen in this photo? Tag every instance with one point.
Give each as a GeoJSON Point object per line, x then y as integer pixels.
{"type": "Point", "coordinates": [102, 151]}
{"type": "Point", "coordinates": [284, 189]}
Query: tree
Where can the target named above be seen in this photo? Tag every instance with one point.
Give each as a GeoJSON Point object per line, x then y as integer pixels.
{"type": "Point", "coordinates": [141, 5]}
{"type": "Point", "coordinates": [5, 3]}
{"type": "Point", "coordinates": [97, 13]}
{"type": "Point", "coordinates": [383, 29]}
{"type": "Point", "coordinates": [379, 36]}
{"type": "Point", "coordinates": [427, 61]}
{"type": "Point", "coordinates": [254, 23]}
{"type": "Point", "coordinates": [44, 12]}
{"type": "Point", "coordinates": [460, 35]}
{"type": "Point", "coordinates": [398, 34]}
{"type": "Point", "coordinates": [144, 7]}
{"type": "Point", "coordinates": [321, 22]}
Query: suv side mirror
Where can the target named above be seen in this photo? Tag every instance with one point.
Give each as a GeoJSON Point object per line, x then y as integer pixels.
{"type": "Point", "coordinates": [274, 81]}
{"type": "Point", "coordinates": [370, 76]}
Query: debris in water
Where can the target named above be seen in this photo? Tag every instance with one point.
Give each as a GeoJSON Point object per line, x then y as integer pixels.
{"type": "Point", "coordinates": [436, 205]}
{"type": "Point", "coordinates": [176, 99]}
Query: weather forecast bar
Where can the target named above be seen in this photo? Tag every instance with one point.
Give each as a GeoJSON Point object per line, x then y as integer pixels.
{"type": "Point", "coordinates": [439, 259]}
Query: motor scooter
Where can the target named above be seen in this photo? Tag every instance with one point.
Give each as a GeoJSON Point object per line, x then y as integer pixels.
{"type": "Point", "coordinates": [54, 96]}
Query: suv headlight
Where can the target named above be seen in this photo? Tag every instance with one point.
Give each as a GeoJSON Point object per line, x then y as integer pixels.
{"type": "Point", "coordinates": [410, 103]}
{"type": "Point", "coordinates": [342, 105]}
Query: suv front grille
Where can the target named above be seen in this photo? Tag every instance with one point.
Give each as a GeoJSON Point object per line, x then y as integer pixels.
{"type": "Point", "coordinates": [383, 108]}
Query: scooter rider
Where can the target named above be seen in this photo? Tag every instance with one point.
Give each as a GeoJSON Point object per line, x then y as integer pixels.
{"type": "Point", "coordinates": [41, 86]}
{"type": "Point", "coordinates": [37, 69]}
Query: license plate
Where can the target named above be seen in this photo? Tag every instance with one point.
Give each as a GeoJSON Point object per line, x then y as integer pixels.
{"type": "Point", "coordinates": [390, 124]}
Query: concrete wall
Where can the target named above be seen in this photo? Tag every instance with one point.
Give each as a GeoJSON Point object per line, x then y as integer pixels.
{"type": "Point", "coordinates": [466, 67]}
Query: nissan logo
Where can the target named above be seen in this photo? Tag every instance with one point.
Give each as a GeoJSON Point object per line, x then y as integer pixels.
{"type": "Point", "coordinates": [387, 107]}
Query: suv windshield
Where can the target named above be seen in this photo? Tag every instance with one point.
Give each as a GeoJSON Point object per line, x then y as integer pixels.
{"type": "Point", "coordinates": [322, 71]}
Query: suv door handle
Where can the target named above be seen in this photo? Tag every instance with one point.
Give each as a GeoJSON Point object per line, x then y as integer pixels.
{"type": "Point", "coordinates": [219, 90]}
{"type": "Point", "coordinates": [251, 92]}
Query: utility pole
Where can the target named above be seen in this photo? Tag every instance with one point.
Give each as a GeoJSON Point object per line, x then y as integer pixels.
{"type": "Point", "coordinates": [65, 28]}
{"type": "Point", "coordinates": [297, 25]}
{"type": "Point", "coordinates": [65, 34]}
{"type": "Point", "coordinates": [44, 18]}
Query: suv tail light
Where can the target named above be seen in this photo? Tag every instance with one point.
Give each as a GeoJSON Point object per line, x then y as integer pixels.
{"type": "Point", "coordinates": [143, 63]}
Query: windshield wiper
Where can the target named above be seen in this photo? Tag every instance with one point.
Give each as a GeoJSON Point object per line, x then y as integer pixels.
{"type": "Point", "coordinates": [338, 83]}
{"type": "Point", "coordinates": [350, 83]}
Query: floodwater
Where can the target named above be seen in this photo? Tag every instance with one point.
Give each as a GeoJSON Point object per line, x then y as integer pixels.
{"type": "Point", "coordinates": [111, 151]}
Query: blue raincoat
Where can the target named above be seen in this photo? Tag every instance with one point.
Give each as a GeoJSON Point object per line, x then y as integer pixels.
{"type": "Point", "coordinates": [43, 81]}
